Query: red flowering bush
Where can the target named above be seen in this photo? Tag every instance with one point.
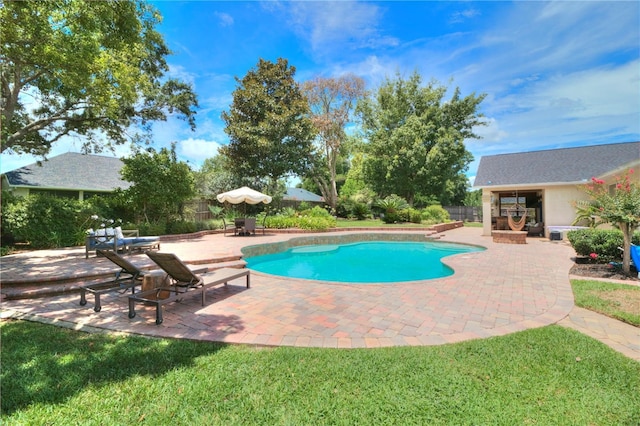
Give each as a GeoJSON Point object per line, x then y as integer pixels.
{"type": "Point", "coordinates": [619, 206]}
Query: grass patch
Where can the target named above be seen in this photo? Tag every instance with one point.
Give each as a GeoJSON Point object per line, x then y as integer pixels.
{"type": "Point", "coordinates": [473, 224]}
{"type": "Point", "coordinates": [376, 223]}
{"type": "Point", "coordinates": [619, 301]}
{"type": "Point", "coordinates": [549, 375]}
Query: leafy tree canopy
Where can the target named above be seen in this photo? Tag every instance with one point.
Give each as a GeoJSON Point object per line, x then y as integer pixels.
{"type": "Point", "coordinates": [93, 69]}
{"type": "Point", "coordinates": [332, 101]}
{"type": "Point", "coordinates": [416, 138]}
{"type": "Point", "coordinates": [216, 176]}
{"type": "Point", "coordinates": [268, 124]}
{"type": "Point", "coordinates": [161, 185]}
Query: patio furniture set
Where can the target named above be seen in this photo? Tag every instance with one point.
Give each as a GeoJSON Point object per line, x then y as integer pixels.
{"type": "Point", "coordinates": [243, 226]}
{"type": "Point", "coordinates": [176, 280]}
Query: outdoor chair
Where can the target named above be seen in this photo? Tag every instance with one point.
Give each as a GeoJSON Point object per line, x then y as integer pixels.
{"type": "Point", "coordinates": [181, 280]}
{"type": "Point", "coordinates": [128, 277]}
{"type": "Point", "coordinates": [536, 229]}
{"type": "Point", "coordinates": [250, 226]}
{"type": "Point", "coordinates": [229, 227]}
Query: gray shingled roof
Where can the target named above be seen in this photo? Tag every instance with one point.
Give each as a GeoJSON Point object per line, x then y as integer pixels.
{"type": "Point", "coordinates": [299, 194]}
{"type": "Point", "coordinates": [566, 165]}
{"type": "Point", "coordinates": [71, 171]}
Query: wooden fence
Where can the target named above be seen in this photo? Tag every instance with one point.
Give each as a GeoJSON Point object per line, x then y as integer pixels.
{"type": "Point", "coordinates": [198, 210]}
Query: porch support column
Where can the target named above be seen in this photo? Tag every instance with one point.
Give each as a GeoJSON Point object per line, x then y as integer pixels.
{"type": "Point", "coordinates": [486, 212]}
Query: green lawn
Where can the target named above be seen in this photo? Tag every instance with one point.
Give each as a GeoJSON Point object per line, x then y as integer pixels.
{"type": "Point", "coordinates": [550, 375]}
{"type": "Point", "coordinates": [619, 301]}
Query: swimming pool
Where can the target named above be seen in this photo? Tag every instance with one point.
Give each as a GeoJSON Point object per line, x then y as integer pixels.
{"type": "Point", "coordinates": [361, 262]}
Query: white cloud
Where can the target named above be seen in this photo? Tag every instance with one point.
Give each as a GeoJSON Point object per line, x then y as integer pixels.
{"type": "Point", "coordinates": [463, 15]}
{"type": "Point", "coordinates": [339, 25]}
{"type": "Point", "coordinates": [536, 40]}
{"type": "Point", "coordinates": [180, 72]}
{"type": "Point", "coordinates": [224, 19]}
{"type": "Point", "coordinates": [601, 102]}
{"type": "Point", "coordinates": [490, 133]}
{"type": "Point", "coordinates": [195, 151]}
{"type": "Point", "coordinates": [373, 69]}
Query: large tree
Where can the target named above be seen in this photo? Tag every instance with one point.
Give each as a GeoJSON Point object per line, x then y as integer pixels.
{"type": "Point", "coordinates": [216, 176]}
{"type": "Point", "coordinates": [161, 185]}
{"type": "Point", "coordinates": [332, 101]}
{"type": "Point", "coordinates": [93, 69]}
{"type": "Point", "coordinates": [415, 138]}
{"type": "Point", "coordinates": [268, 124]}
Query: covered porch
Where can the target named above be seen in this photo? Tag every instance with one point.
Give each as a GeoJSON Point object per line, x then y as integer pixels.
{"type": "Point", "coordinates": [498, 205]}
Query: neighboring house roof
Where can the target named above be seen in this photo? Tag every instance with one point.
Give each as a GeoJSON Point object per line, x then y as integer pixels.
{"type": "Point", "coordinates": [299, 194]}
{"type": "Point", "coordinates": [555, 166]}
{"type": "Point", "coordinates": [71, 171]}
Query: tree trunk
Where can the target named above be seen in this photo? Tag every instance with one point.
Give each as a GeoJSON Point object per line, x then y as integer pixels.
{"type": "Point", "coordinates": [626, 255]}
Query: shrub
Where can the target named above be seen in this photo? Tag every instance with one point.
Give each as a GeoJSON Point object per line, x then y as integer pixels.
{"type": "Point", "coordinates": [316, 211]}
{"type": "Point", "coordinates": [391, 217]}
{"type": "Point", "coordinates": [435, 214]}
{"type": "Point", "coordinates": [344, 208]}
{"type": "Point", "coordinates": [361, 211]}
{"type": "Point", "coordinates": [603, 242]}
{"type": "Point", "coordinates": [412, 215]}
{"type": "Point", "coordinates": [152, 228]}
{"type": "Point", "coordinates": [6, 228]}
{"type": "Point", "coordinates": [314, 219]}
{"type": "Point", "coordinates": [44, 221]}
{"type": "Point", "coordinates": [181, 227]}
{"type": "Point", "coordinates": [315, 223]}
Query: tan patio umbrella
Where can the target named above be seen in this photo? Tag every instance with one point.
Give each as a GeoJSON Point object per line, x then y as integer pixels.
{"type": "Point", "coordinates": [244, 195]}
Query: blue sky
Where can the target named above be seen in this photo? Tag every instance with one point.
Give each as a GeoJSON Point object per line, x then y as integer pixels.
{"type": "Point", "coordinates": [556, 74]}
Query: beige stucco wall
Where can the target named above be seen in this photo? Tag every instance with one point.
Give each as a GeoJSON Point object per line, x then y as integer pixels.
{"type": "Point", "coordinates": [558, 204]}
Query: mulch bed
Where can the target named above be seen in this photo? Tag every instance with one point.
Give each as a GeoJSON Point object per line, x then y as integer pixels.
{"type": "Point", "coordinates": [599, 270]}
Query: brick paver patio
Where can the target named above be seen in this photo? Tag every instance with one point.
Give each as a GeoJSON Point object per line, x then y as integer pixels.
{"type": "Point", "coordinates": [504, 289]}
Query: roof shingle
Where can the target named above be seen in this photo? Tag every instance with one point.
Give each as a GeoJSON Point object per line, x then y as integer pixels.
{"type": "Point", "coordinates": [566, 165]}
{"type": "Point", "coordinates": [71, 171]}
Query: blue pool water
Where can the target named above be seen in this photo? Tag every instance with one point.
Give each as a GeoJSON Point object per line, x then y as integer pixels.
{"type": "Point", "coordinates": [364, 262]}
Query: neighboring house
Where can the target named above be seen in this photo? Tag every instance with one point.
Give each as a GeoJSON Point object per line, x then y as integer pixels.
{"type": "Point", "coordinates": [70, 175]}
{"type": "Point", "coordinates": [547, 183]}
{"type": "Point", "coordinates": [295, 196]}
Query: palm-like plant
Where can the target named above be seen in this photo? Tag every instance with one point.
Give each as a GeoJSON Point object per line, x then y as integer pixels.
{"type": "Point", "coordinates": [585, 214]}
{"type": "Point", "coordinates": [392, 205]}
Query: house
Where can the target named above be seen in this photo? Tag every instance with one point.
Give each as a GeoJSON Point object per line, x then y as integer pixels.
{"type": "Point", "coordinates": [547, 183]}
{"type": "Point", "coordinates": [70, 175]}
{"type": "Point", "coordinates": [300, 194]}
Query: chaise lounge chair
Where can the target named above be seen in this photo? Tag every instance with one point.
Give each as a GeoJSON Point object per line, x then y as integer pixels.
{"type": "Point", "coordinates": [128, 277]}
{"type": "Point", "coordinates": [182, 280]}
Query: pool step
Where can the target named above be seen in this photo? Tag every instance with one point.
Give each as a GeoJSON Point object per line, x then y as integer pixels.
{"type": "Point", "coordinates": [65, 285]}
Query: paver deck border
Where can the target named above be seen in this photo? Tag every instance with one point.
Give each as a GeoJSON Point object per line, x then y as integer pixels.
{"type": "Point", "coordinates": [501, 290]}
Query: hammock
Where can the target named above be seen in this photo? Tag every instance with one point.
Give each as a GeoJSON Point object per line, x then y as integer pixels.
{"type": "Point", "coordinates": [519, 224]}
